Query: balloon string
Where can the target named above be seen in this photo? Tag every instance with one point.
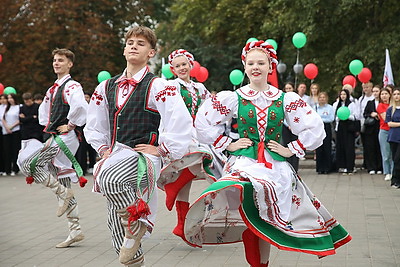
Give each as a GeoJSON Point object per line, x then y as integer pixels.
{"type": "Point", "coordinates": [297, 62]}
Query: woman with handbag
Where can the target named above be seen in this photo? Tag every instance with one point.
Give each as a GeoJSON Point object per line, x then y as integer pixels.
{"type": "Point", "coordinates": [345, 134]}
{"type": "Point", "coordinates": [372, 151]}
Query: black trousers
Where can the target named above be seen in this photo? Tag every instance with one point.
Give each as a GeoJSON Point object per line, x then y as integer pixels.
{"type": "Point", "coordinates": [324, 152]}
{"type": "Point", "coordinates": [85, 152]}
{"type": "Point", "coordinates": [372, 150]}
{"type": "Point", "coordinates": [2, 157]}
{"type": "Point", "coordinates": [11, 147]}
{"type": "Point", "coordinates": [287, 137]}
{"type": "Point", "coordinates": [345, 147]}
{"type": "Point", "coordinates": [395, 147]}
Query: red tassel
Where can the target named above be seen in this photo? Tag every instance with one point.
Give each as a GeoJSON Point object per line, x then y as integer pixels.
{"type": "Point", "coordinates": [29, 180]}
{"type": "Point", "coordinates": [137, 210]}
{"type": "Point", "coordinates": [82, 181]}
{"type": "Point", "coordinates": [261, 156]}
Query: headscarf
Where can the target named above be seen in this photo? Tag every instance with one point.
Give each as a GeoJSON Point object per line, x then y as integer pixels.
{"type": "Point", "coordinates": [264, 46]}
{"type": "Point", "coordinates": [181, 52]}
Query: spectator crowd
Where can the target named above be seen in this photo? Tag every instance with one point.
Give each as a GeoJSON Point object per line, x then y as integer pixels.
{"type": "Point", "coordinates": [368, 123]}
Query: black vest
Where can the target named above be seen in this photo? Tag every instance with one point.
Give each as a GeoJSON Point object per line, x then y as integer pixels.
{"type": "Point", "coordinates": [59, 109]}
{"type": "Point", "coordinates": [133, 123]}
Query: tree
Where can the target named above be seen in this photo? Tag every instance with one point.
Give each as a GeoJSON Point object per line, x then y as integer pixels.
{"type": "Point", "coordinates": [337, 32]}
{"type": "Point", "coordinates": [31, 29]}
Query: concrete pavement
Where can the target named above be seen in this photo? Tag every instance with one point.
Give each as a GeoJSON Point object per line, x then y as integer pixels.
{"type": "Point", "coordinates": [364, 204]}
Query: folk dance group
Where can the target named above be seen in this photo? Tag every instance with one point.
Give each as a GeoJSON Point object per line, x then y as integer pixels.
{"type": "Point", "coordinates": [154, 133]}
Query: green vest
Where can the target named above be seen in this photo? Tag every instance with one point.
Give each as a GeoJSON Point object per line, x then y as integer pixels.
{"type": "Point", "coordinates": [187, 98]}
{"type": "Point", "coordinates": [247, 126]}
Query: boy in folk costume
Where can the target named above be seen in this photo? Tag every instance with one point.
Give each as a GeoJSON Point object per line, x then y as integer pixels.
{"type": "Point", "coordinates": [260, 199]}
{"type": "Point", "coordinates": [134, 120]}
{"type": "Point", "coordinates": [63, 109]}
{"type": "Point", "coordinates": [176, 178]}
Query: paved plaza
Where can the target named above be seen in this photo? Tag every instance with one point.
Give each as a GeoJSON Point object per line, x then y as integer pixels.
{"type": "Point", "coordinates": [364, 204]}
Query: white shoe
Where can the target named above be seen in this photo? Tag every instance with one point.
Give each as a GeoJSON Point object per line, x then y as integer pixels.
{"type": "Point", "coordinates": [12, 174]}
{"type": "Point", "coordinates": [388, 177]}
{"type": "Point", "coordinates": [379, 172]}
{"type": "Point", "coordinates": [90, 170]}
{"type": "Point", "coordinates": [372, 172]}
{"type": "Point", "coordinates": [69, 242]}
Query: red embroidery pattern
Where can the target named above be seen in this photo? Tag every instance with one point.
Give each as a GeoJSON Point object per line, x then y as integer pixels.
{"type": "Point", "coordinates": [294, 105]}
{"type": "Point", "coordinates": [296, 119]}
{"type": "Point", "coordinates": [296, 200]}
{"type": "Point", "coordinates": [168, 91]}
{"type": "Point", "coordinates": [309, 112]}
{"type": "Point", "coordinates": [98, 98]}
{"type": "Point", "coordinates": [251, 92]}
{"type": "Point", "coordinates": [316, 203]}
{"type": "Point", "coordinates": [269, 93]}
{"type": "Point", "coordinates": [219, 107]}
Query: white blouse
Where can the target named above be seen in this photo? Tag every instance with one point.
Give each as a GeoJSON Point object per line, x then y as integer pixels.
{"type": "Point", "coordinates": [175, 126]}
{"type": "Point", "coordinates": [11, 117]}
{"type": "Point", "coordinates": [73, 94]}
{"type": "Point", "coordinates": [302, 119]}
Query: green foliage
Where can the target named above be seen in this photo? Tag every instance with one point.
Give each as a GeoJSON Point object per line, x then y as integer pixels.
{"type": "Point", "coordinates": [214, 31]}
{"type": "Point", "coordinates": [337, 33]}
{"type": "Point", "coordinates": [93, 30]}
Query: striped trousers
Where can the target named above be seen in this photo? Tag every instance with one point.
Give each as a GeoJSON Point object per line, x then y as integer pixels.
{"type": "Point", "coordinates": [118, 182]}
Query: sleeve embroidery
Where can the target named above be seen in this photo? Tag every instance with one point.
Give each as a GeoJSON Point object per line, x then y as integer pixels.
{"type": "Point", "coordinates": [98, 98]}
{"type": "Point", "coordinates": [294, 105]}
{"type": "Point", "coordinates": [168, 91]}
{"type": "Point", "coordinates": [219, 107]}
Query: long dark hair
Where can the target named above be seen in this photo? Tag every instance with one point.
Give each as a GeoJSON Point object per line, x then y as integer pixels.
{"type": "Point", "coordinates": [14, 96]}
{"type": "Point", "coordinates": [346, 101]}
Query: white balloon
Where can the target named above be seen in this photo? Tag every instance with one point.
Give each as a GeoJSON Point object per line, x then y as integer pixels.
{"type": "Point", "coordinates": [281, 68]}
{"type": "Point", "coordinates": [297, 68]}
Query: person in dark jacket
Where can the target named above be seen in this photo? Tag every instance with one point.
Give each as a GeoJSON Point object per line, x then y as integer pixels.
{"type": "Point", "coordinates": [29, 119]}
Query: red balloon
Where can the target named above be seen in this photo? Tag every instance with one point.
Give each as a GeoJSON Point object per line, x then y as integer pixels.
{"type": "Point", "coordinates": [365, 75]}
{"type": "Point", "coordinates": [350, 79]}
{"type": "Point", "coordinates": [311, 71]}
{"type": "Point", "coordinates": [1, 88]}
{"type": "Point", "coordinates": [202, 75]}
{"type": "Point", "coordinates": [195, 70]}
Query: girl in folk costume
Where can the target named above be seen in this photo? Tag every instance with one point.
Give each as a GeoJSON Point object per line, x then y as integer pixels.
{"type": "Point", "coordinates": [134, 120]}
{"type": "Point", "coordinates": [176, 177]}
{"type": "Point", "coordinates": [261, 199]}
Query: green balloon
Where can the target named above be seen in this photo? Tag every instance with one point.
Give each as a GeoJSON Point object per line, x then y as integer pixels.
{"type": "Point", "coordinates": [103, 75]}
{"type": "Point", "coordinates": [236, 77]}
{"type": "Point", "coordinates": [343, 113]}
{"type": "Point", "coordinates": [273, 43]}
{"type": "Point", "coordinates": [9, 90]}
{"type": "Point", "coordinates": [166, 71]}
{"type": "Point", "coordinates": [299, 39]}
{"type": "Point", "coordinates": [356, 66]}
{"type": "Point", "coordinates": [252, 39]}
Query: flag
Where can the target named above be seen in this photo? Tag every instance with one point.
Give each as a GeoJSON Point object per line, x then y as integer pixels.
{"type": "Point", "coordinates": [388, 74]}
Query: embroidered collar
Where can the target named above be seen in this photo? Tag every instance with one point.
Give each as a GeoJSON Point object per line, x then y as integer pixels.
{"type": "Point", "coordinates": [190, 85]}
{"type": "Point", "coordinates": [138, 77]}
{"type": "Point", "coordinates": [272, 93]}
{"type": "Point", "coordinates": [63, 79]}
